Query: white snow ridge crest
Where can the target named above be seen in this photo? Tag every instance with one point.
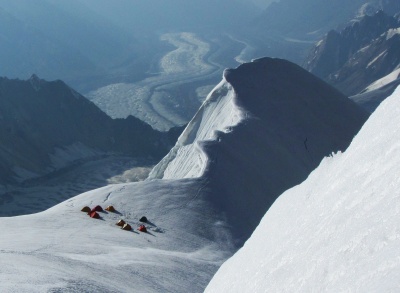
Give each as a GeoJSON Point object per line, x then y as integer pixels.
{"type": "Point", "coordinates": [338, 231]}
{"type": "Point", "coordinates": [187, 159]}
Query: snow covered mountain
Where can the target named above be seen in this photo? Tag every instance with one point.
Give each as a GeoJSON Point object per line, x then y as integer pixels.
{"type": "Point", "coordinates": [289, 28]}
{"type": "Point", "coordinates": [292, 120]}
{"type": "Point", "coordinates": [365, 51]}
{"type": "Point", "coordinates": [338, 231]}
{"type": "Point", "coordinates": [260, 131]}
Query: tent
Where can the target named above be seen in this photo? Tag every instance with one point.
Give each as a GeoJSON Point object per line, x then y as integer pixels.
{"type": "Point", "coordinates": [127, 227]}
{"type": "Point", "coordinates": [110, 209]}
{"type": "Point", "coordinates": [143, 219]}
{"type": "Point", "coordinates": [142, 228]}
{"type": "Point", "coordinates": [120, 223]}
{"type": "Point", "coordinates": [97, 209]}
{"type": "Point", "coordinates": [86, 209]}
{"type": "Point", "coordinates": [94, 215]}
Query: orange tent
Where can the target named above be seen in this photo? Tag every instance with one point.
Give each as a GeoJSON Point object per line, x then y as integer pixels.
{"type": "Point", "coordinates": [127, 227]}
{"type": "Point", "coordinates": [121, 223]}
{"type": "Point", "coordinates": [110, 209]}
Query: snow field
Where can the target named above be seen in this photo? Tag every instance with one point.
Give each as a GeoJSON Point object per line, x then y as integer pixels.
{"type": "Point", "coordinates": [63, 248]}
{"type": "Point", "coordinates": [336, 232]}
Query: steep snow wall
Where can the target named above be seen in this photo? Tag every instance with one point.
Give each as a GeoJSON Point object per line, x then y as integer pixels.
{"type": "Point", "coordinates": [217, 114]}
{"type": "Point", "coordinates": [262, 130]}
{"type": "Point", "coordinates": [336, 232]}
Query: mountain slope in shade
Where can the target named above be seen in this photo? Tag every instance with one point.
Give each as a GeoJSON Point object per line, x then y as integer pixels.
{"type": "Point", "coordinates": [308, 18]}
{"type": "Point", "coordinates": [362, 53]}
{"type": "Point", "coordinates": [292, 120]}
{"type": "Point", "coordinates": [375, 93]}
{"type": "Point", "coordinates": [289, 29]}
{"type": "Point", "coordinates": [337, 231]}
{"type": "Point", "coordinates": [261, 130]}
{"type": "Point", "coordinates": [40, 119]}
{"type": "Point", "coordinates": [366, 66]}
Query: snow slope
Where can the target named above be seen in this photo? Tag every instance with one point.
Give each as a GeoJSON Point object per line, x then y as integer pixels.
{"type": "Point", "coordinates": [260, 131]}
{"type": "Point", "coordinates": [286, 121]}
{"type": "Point", "coordinates": [64, 250]}
{"type": "Point", "coordinates": [374, 94]}
{"type": "Point", "coordinates": [336, 232]}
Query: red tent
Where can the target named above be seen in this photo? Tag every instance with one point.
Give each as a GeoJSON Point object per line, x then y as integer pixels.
{"type": "Point", "coordinates": [93, 214]}
{"type": "Point", "coordinates": [142, 228]}
{"type": "Point", "coordinates": [97, 209]}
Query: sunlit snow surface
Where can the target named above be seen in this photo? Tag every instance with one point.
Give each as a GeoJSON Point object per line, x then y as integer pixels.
{"type": "Point", "coordinates": [377, 91]}
{"type": "Point", "coordinates": [338, 231]}
{"type": "Point", "coordinates": [217, 114]}
{"type": "Point", "coordinates": [383, 81]}
{"type": "Point", "coordinates": [198, 217]}
{"type": "Point", "coordinates": [64, 250]}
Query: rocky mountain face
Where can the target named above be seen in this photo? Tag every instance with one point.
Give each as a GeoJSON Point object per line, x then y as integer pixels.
{"type": "Point", "coordinates": [366, 50]}
{"type": "Point", "coordinates": [43, 123]}
{"type": "Point", "coordinates": [289, 28]}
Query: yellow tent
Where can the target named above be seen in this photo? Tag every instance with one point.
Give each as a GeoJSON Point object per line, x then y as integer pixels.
{"type": "Point", "coordinates": [127, 227]}
{"type": "Point", "coordinates": [110, 209]}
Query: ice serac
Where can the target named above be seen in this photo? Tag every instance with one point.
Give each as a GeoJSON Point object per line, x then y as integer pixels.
{"type": "Point", "coordinates": [262, 130]}
{"type": "Point", "coordinates": [337, 231]}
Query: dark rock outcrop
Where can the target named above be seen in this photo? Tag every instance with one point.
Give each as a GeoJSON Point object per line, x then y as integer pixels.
{"type": "Point", "coordinates": [39, 117]}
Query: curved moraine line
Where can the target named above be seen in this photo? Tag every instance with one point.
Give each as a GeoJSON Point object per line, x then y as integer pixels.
{"type": "Point", "coordinates": [186, 63]}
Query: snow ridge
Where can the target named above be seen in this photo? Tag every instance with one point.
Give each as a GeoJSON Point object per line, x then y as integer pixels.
{"type": "Point", "coordinates": [338, 231]}
{"type": "Point", "coordinates": [219, 113]}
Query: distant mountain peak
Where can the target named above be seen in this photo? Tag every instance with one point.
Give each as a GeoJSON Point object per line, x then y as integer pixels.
{"type": "Point", "coordinates": [364, 51]}
{"type": "Point", "coordinates": [36, 82]}
{"type": "Point", "coordinates": [40, 117]}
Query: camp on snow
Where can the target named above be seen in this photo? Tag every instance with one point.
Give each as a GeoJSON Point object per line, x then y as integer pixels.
{"type": "Point", "coordinates": [97, 209]}
{"type": "Point", "coordinates": [110, 209]}
{"type": "Point", "coordinates": [127, 227]}
{"type": "Point", "coordinates": [94, 214]}
{"type": "Point", "coordinates": [120, 223]}
{"type": "Point", "coordinates": [142, 228]}
{"type": "Point", "coordinates": [86, 209]}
